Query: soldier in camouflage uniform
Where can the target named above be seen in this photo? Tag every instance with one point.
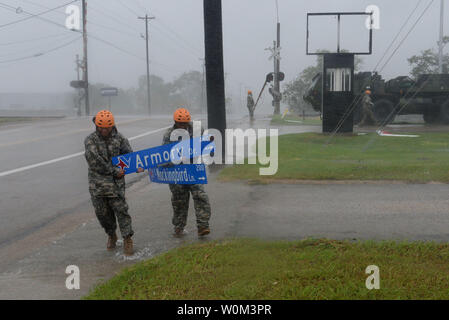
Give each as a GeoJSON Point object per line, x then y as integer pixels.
{"type": "Point", "coordinates": [106, 182]}
{"type": "Point", "coordinates": [181, 193]}
{"type": "Point", "coordinates": [368, 117]}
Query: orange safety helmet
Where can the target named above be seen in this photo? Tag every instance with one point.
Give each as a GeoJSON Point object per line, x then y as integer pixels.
{"type": "Point", "coordinates": [182, 115]}
{"type": "Point", "coordinates": [368, 90]}
{"type": "Point", "coordinates": [250, 92]}
{"type": "Point", "coordinates": [104, 119]}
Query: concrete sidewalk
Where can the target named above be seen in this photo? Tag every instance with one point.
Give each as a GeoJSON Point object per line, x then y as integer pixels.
{"type": "Point", "coordinates": [278, 211]}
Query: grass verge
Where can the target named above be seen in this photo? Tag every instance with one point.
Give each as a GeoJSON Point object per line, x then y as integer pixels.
{"type": "Point", "coordinates": [307, 269]}
{"type": "Point", "coordinates": [313, 156]}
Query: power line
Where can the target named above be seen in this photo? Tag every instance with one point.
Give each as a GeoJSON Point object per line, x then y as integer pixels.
{"type": "Point", "coordinates": [41, 46]}
{"type": "Point", "coordinates": [40, 18]}
{"type": "Point", "coordinates": [406, 36]}
{"type": "Point", "coordinates": [356, 101]}
{"type": "Point", "coordinates": [168, 33]}
{"type": "Point", "coordinates": [101, 12]}
{"type": "Point", "coordinates": [91, 35]}
{"type": "Point", "coordinates": [174, 33]}
{"type": "Point", "coordinates": [39, 54]}
{"type": "Point", "coordinates": [112, 29]}
{"type": "Point", "coordinates": [129, 9]}
{"type": "Point", "coordinates": [99, 39]}
{"type": "Point", "coordinates": [186, 49]}
{"type": "Point", "coordinates": [6, 6]}
{"type": "Point", "coordinates": [171, 34]}
{"type": "Point", "coordinates": [385, 122]}
{"type": "Point", "coordinates": [95, 23]}
{"type": "Point", "coordinates": [62, 13]}
{"type": "Point", "coordinates": [32, 40]}
{"type": "Point", "coordinates": [141, 6]}
{"type": "Point", "coordinates": [398, 33]}
{"type": "Point", "coordinates": [116, 47]}
{"type": "Point", "coordinates": [178, 36]}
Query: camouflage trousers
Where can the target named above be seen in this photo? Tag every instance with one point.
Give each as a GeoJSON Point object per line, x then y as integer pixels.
{"type": "Point", "coordinates": [108, 210]}
{"type": "Point", "coordinates": [368, 117]}
{"type": "Point", "coordinates": [180, 202]}
{"type": "Point", "coordinates": [251, 114]}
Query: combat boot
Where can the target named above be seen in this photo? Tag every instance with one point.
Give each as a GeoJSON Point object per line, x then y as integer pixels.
{"type": "Point", "coordinates": [128, 246]}
{"type": "Point", "coordinates": [112, 241]}
{"type": "Point", "coordinates": [203, 231]}
{"type": "Point", "coordinates": [179, 232]}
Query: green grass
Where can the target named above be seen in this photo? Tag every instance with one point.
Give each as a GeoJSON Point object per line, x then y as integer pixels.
{"type": "Point", "coordinates": [297, 121]}
{"type": "Point", "coordinates": [313, 156]}
{"type": "Point", "coordinates": [308, 269]}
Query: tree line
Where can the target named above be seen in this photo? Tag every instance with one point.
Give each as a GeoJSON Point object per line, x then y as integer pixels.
{"type": "Point", "coordinates": [187, 90]}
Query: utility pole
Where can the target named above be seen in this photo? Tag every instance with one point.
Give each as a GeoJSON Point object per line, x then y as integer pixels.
{"type": "Point", "coordinates": [146, 18]}
{"type": "Point", "coordinates": [85, 65]}
{"type": "Point", "coordinates": [215, 83]}
{"type": "Point", "coordinates": [79, 66]}
{"type": "Point", "coordinates": [441, 44]}
{"type": "Point", "coordinates": [203, 65]}
{"type": "Point", "coordinates": [277, 68]}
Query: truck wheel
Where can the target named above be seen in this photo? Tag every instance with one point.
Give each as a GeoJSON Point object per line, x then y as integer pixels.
{"type": "Point", "coordinates": [383, 111]}
{"type": "Point", "coordinates": [445, 112]}
{"type": "Point", "coordinates": [432, 117]}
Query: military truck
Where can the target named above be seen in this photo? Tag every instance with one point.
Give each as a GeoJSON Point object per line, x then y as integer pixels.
{"type": "Point", "coordinates": [428, 96]}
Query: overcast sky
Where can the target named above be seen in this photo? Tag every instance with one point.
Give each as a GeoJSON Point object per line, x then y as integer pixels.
{"type": "Point", "coordinates": [177, 35]}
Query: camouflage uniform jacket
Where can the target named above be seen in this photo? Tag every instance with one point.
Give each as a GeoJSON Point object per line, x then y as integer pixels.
{"type": "Point", "coordinates": [250, 103]}
{"type": "Point", "coordinates": [103, 181]}
{"type": "Point", "coordinates": [166, 138]}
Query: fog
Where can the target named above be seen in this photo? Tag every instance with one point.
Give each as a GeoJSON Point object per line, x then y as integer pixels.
{"type": "Point", "coordinates": [116, 49]}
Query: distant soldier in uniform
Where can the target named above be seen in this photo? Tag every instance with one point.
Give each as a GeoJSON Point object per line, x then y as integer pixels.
{"type": "Point", "coordinates": [106, 182]}
{"type": "Point", "coordinates": [181, 193]}
{"type": "Point", "coordinates": [250, 105]}
{"type": "Point", "coordinates": [368, 117]}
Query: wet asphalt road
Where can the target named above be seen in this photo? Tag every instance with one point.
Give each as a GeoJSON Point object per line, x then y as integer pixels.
{"type": "Point", "coordinates": [33, 198]}
{"type": "Point", "coordinates": [47, 221]}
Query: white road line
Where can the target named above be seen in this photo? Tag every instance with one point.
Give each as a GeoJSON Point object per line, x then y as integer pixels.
{"type": "Point", "coordinates": [40, 164]}
{"type": "Point", "coordinates": [60, 134]}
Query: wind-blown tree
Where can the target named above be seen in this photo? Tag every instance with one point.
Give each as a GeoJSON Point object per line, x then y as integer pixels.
{"type": "Point", "coordinates": [186, 90]}
{"type": "Point", "coordinates": [123, 103]}
{"type": "Point", "coordinates": [159, 94]}
{"type": "Point", "coordinates": [427, 62]}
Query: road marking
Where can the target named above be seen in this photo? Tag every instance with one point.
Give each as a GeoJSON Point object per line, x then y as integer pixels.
{"type": "Point", "coordinates": [8, 144]}
{"type": "Point", "coordinates": [40, 164]}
